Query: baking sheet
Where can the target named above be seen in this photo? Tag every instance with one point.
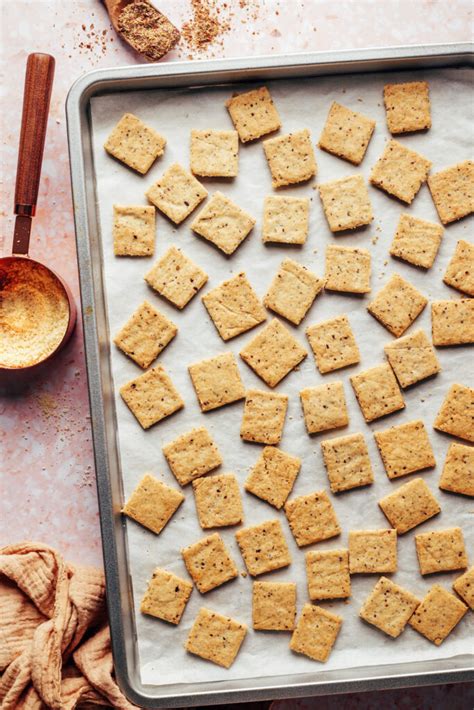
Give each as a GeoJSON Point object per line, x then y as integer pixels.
{"type": "Point", "coordinates": [302, 104]}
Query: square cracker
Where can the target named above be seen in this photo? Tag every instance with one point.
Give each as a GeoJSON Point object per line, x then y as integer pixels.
{"type": "Point", "coordinates": [460, 270]}
{"type": "Point", "coordinates": [253, 114]}
{"type": "Point", "coordinates": [377, 392]}
{"type": "Point", "coordinates": [234, 307]}
{"type": "Point", "coordinates": [397, 305]}
{"type": "Point", "coordinates": [146, 333]}
{"type": "Point", "coordinates": [347, 270]}
{"type": "Point", "coordinates": [273, 476]}
{"type": "Point", "coordinates": [273, 353]}
{"type": "Point", "coordinates": [346, 133]}
{"type": "Point", "coordinates": [456, 415]}
{"type": "Point", "coordinates": [290, 158]}
{"type": "Point", "coordinates": [134, 230]}
{"type": "Point", "coordinates": [409, 506]}
{"type": "Point", "coordinates": [217, 381]}
{"type": "Point", "coordinates": [191, 455]}
{"type": "Point", "coordinates": [324, 407]}
{"type": "Point", "coordinates": [372, 551]}
{"type": "Point", "coordinates": [285, 220]}
{"type": "Point", "coordinates": [135, 144]}
{"type": "Point", "coordinates": [333, 344]}
{"type": "Point", "coordinates": [416, 241]}
{"type": "Point", "coordinates": [400, 171]}
{"type": "Point", "coordinates": [412, 358]}
{"type": "Point", "coordinates": [389, 607]}
{"type": "Point", "coordinates": [151, 397]}
{"type": "Point", "coordinates": [215, 638]}
{"type": "Point", "coordinates": [274, 606]}
{"type": "Point", "coordinates": [292, 291]}
{"type": "Point", "coordinates": [177, 193]}
{"type": "Point", "coordinates": [263, 417]}
{"type": "Point", "coordinates": [452, 322]}
{"type": "Point", "coordinates": [441, 551]}
{"type": "Point", "coordinates": [316, 633]}
{"type": "Point", "coordinates": [223, 223]}
{"type": "Point", "coordinates": [176, 278]}
{"type": "Point", "coordinates": [312, 518]}
{"type": "Point", "coordinates": [327, 572]}
{"type": "Point", "coordinates": [347, 462]}
{"type": "Point", "coordinates": [152, 503]}
{"type": "Point", "coordinates": [408, 106]}
{"type": "Point", "coordinates": [214, 153]}
{"type": "Point", "coordinates": [263, 547]}
{"type": "Point", "coordinates": [209, 563]}
{"type": "Point", "coordinates": [218, 501]}
{"type": "Point", "coordinates": [458, 470]}
{"type": "Point", "coordinates": [166, 596]}
{"type": "Point", "coordinates": [346, 203]}
{"type": "Point", "coordinates": [452, 191]}
{"type": "Point", "coordinates": [405, 449]}
{"type": "Point", "coordinates": [464, 586]}
{"type": "Point", "coordinates": [437, 615]}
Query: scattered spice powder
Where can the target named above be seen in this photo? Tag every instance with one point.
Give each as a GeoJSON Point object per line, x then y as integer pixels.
{"type": "Point", "coordinates": [148, 31]}
{"type": "Point", "coordinates": [205, 25]}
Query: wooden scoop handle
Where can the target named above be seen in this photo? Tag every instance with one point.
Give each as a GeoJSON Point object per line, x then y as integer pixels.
{"type": "Point", "coordinates": [36, 99]}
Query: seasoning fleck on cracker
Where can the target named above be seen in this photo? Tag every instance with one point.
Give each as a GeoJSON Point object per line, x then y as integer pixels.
{"type": "Point", "coordinates": [215, 637]}
{"type": "Point", "coordinates": [377, 392]}
{"type": "Point", "coordinates": [263, 417]}
{"type": "Point", "coordinates": [146, 333]}
{"type": "Point", "coordinates": [177, 193]}
{"type": "Point", "coordinates": [405, 449]}
{"type": "Point", "coordinates": [134, 230]}
{"type": "Point", "coordinates": [152, 503]}
{"type": "Point", "coordinates": [316, 633]}
{"type": "Point", "coordinates": [176, 278]}
{"type": "Point", "coordinates": [458, 470]}
{"type": "Point", "coordinates": [437, 615]}
{"type": "Point", "coordinates": [209, 563]}
{"type": "Point", "coordinates": [135, 144]}
{"type": "Point", "coordinates": [253, 114]}
{"type": "Point", "coordinates": [312, 518]}
{"type": "Point", "coordinates": [263, 547]}
{"type": "Point", "coordinates": [327, 572]}
{"type": "Point", "coordinates": [214, 153]}
{"type": "Point", "coordinates": [409, 506]}
{"type": "Point", "coordinates": [191, 455]}
{"type": "Point", "coordinates": [223, 223]}
{"type": "Point", "coordinates": [441, 551]}
{"type": "Point", "coordinates": [412, 358]}
{"type": "Point", "coordinates": [452, 191]}
{"type": "Point", "coordinates": [456, 415]}
{"type": "Point", "coordinates": [372, 551]}
{"type": "Point", "coordinates": [389, 607]}
{"type": "Point", "coordinates": [324, 407]}
{"type": "Point", "coordinates": [347, 462]}
{"type": "Point", "coordinates": [416, 241]}
{"type": "Point", "coordinates": [273, 606]}
{"type": "Point", "coordinates": [151, 397]}
{"type": "Point", "coordinates": [346, 133]}
{"type": "Point", "coordinates": [234, 307]}
{"type": "Point", "coordinates": [460, 270]}
{"type": "Point", "coordinates": [464, 586]}
{"type": "Point", "coordinates": [397, 305]}
{"type": "Point", "coordinates": [273, 476]}
{"type": "Point", "coordinates": [346, 203]}
{"type": "Point", "coordinates": [347, 270]}
{"type": "Point", "coordinates": [290, 158]}
{"type": "Point", "coordinates": [218, 501]}
{"type": "Point", "coordinates": [166, 596]}
{"type": "Point", "coordinates": [400, 171]}
{"type": "Point", "coordinates": [408, 106]}
{"type": "Point", "coordinates": [285, 220]}
{"type": "Point", "coordinates": [217, 381]}
{"type": "Point", "coordinates": [452, 322]}
{"type": "Point", "coordinates": [333, 344]}
{"type": "Point", "coordinates": [292, 291]}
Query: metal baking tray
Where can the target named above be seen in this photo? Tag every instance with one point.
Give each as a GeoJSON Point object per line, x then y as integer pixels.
{"type": "Point", "coordinates": [96, 335]}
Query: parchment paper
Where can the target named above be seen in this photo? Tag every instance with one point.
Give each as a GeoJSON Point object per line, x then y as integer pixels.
{"type": "Point", "coordinates": [302, 104]}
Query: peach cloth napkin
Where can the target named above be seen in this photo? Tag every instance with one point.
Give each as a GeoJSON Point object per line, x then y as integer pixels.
{"type": "Point", "coordinates": [49, 658]}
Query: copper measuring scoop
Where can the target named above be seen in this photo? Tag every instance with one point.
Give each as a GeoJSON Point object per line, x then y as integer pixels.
{"type": "Point", "coordinates": [18, 272]}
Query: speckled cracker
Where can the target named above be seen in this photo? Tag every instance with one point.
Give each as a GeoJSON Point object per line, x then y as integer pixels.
{"type": "Point", "coordinates": [347, 270]}
{"type": "Point", "coordinates": [458, 470]}
{"type": "Point", "coordinates": [273, 476]}
{"type": "Point", "coordinates": [333, 344]}
{"type": "Point", "coordinates": [397, 305]}
{"type": "Point", "coordinates": [452, 191]}
{"type": "Point", "coordinates": [312, 518]}
{"type": "Point", "coordinates": [217, 381]}
{"type": "Point", "coordinates": [234, 307]}
{"type": "Point", "coordinates": [209, 563]}
{"type": "Point", "coordinates": [223, 223]}
{"type": "Point", "coordinates": [218, 501]}
{"type": "Point", "coordinates": [400, 171]}
{"type": "Point", "coordinates": [412, 358]}
{"type": "Point", "coordinates": [166, 596]}
{"type": "Point", "coordinates": [389, 607]}
{"type": "Point", "coordinates": [134, 143]}
{"type": "Point", "coordinates": [151, 397]}
{"type": "Point", "coordinates": [346, 133]}
{"type": "Point", "coordinates": [327, 572]}
{"type": "Point", "coordinates": [405, 448]}
{"type": "Point", "coordinates": [460, 270]}
{"type": "Point", "coordinates": [416, 241]}
{"type": "Point", "coordinates": [437, 615]}
{"type": "Point", "coordinates": [134, 230]}
{"type": "Point", "coordinates": [146, 333]}
{"type": "Point", "coordinates": [152, 503]}
{"type": "Point", "coordinates": [176, 278]}
{"type": "Point", "coordinates": [177, 193]}
{"type": "Point", "coordinates": [347, 462]}
{"type": "Point", "coordinates": [253, 114]}
{"type": "Point", "coordinates": [263, 417]}
{"type": "Point", "coordinates": [292, 291]}
{"type": "Point", "coordinates": [285, 220]}
{"type": "Point", "coordinates": [215, 638]}
{"type": "Point", "coordinates": [215, 153]}
{"type": "Point", "coordinates": [464, 586]}
{"type": "Point", "coordinates": [409, 506]}
{"type": "Point", "coordinates": [191, 455]}
{"type": "Point", "coordinates": [441, 551]}
{"type": "Point", "coordinates": [263, 547]}
{"type": "Point", "coordinates": [452, 322]}
{"type": "Point", "coordinates": [316, 633]}
{"type": "Point", "coordinates": [273, 353]}
{"type": "Point", "coordinates": [407, 106]}
{"type": "Point", "coordinates": [290, 158]}
{"type": "Point", "coordinates": [274, 606]}
{"type": "Point", "coordinates": [377, 392]}
{"type": "Point", "coordinates": [456, 415]}
{"type": "Point", "coordinates": [346, 203]}
{"type": "Point", "coordinates": [324, 407]}
{"type": "Point", "coordinates": [372, 551]}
